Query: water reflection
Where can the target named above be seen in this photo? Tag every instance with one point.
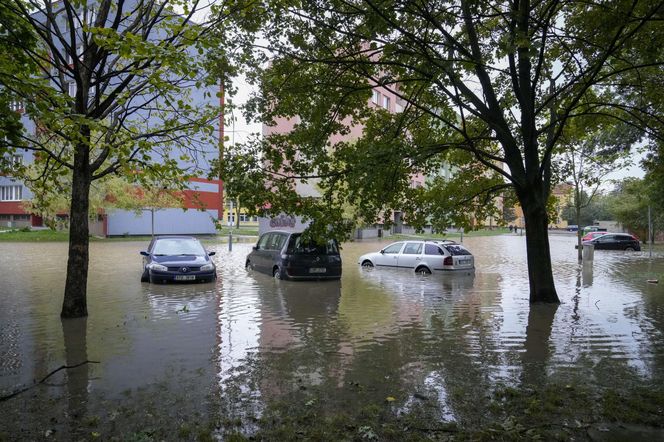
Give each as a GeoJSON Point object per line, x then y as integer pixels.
{"type": "Point", "coordinates": [75, 333]}
{"type": "Point", "coordinates": [247, 342]}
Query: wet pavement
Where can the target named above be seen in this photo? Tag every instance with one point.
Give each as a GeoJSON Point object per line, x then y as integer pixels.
{"type": "Point", "coordinates": [232, 348]}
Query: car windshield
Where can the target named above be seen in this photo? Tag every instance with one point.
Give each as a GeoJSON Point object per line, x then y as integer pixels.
{"type": "Point", "coordinates": [178, 246]}
{"type": "Point", "coordinates": [456, 250]}
{"type": "Point", "coordinates": [297, 246]}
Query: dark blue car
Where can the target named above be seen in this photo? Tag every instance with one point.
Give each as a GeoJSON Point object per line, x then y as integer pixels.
{"type": "Point", "coordinates": [177, 259]}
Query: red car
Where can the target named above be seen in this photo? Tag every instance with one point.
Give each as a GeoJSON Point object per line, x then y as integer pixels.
{"type": "Point", "coordinates": [593, 235]}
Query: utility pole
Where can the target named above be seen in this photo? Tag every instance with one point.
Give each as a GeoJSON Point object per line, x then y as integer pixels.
{"type": "Point", "coordinates": [221, 151]}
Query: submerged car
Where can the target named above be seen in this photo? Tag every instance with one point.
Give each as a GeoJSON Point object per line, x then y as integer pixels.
{"type": "Point", "coordinates": [177, 259]}
{"type": "Point", "coordinates": [615, 241]}
{"type": "Point", "coordinates": [425, 257]}
{"type": "Point", "coordinates": [288, 255]}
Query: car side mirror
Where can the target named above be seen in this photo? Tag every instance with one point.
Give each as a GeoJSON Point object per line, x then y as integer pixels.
{"type": "Point", "coordinates": [211, 253]}
{"type": "Point", "coordinates": [144, 253]}
{"type": "Point", "coordinates": [255, 248]}
{"type": "Point", "coordinates": [382, 251]}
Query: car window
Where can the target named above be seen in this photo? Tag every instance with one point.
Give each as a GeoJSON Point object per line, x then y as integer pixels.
{"type": "Point", "coordinates": [457, 250]}
{"type": "Point", "coordinates": [412, 248]}
{"type": "Point", "coordinates": [432, 249]}
{"type": "Point", "coordinates": [262, 243]}
{"type": "Point", "coordinates": [393, 248]}
{"type": "Point", "coordinates": [296, 246]}
{"type": "Point", "coordinates": [178, 246]}
{"type": "Point", "coordinates": [276, 241]}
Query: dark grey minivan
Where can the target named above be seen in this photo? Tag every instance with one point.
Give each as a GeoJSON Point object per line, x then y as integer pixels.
{"type": "Point", "coordinates": [286, 255]}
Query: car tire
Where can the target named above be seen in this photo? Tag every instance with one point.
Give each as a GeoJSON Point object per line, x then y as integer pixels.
{"type": "Point", "coordinates": [145, 277]}
{"type": "Point", "coordinates": [366, 264]}
{"type": "Point", "coordinates": [423, 270]}
{"type": "Point", "coordinates": [248, 265]}
{"type": "Point", "coordinates": [276, 272]}
{"type": "Point", "coordinates": [629, 249]}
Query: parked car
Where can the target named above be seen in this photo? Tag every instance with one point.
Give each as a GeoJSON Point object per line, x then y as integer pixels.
{"type": "Point", "coordinates": [615, 241]}
{"type": "Point", "coordinates": [592, 235]}
{"type": "Point", "coordinates": [593, 229]}
{"type": "Point", "coordinates": [572, 228]}
{"type": "Point", "coordinates": [423, 256]}
{"type": "Point", "coordinates": [177, 259]}
{"type": "Point", "coordinates": [287, 255]}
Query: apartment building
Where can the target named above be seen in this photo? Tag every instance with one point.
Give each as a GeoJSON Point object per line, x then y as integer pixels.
{"type": "Point", "coordinates": [381, 98]}
{"type": "Point", "coordinates": [202, 199]}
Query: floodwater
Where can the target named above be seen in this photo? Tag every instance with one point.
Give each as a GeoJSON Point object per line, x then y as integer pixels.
{"type": "Point", "coordinates": [171, 356]}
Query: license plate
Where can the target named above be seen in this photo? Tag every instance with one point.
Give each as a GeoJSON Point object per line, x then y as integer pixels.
{"type": "Point", "coordinates": [317, 270]}
{"type": "Point", "coordinates": [185, 277]}
{"type": "Point", "coordinates": [464, 261]}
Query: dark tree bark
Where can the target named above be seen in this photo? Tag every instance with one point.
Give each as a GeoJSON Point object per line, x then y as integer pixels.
{"type": "Point", "coordinates": [540, 272]}
{"type": "Point", "coordinates": [75, 300]}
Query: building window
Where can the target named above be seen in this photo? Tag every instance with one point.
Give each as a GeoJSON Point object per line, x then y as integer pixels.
{"type": "Point", "coordinates": [72, 89]}
{"type": "Point", "coordinates": [4, 217]}
{"type": "Point", "coordinates": [21, 217]}
{"type": "Point", "coordinates": [17, 160]}
{"type": "Point", "coordinates": [386, 102]}
{"type": "Point", "coordinates": [16, 105]}
{"type": "Point", "coordinates": [375, 99]}
{"type": "Point", "coordinates": [11, 193]}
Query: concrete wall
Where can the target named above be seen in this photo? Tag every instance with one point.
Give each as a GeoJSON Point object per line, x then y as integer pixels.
{"type": "Point", "coordinates": [166, 222]}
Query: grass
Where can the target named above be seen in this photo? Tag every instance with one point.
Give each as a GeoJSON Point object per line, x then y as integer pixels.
{"type": "Point", "coordinates": [248, 231]}
{"type": "Point", "coordinates": [549, 412]}
{"type": "Point", "coordinates": [48, 235]}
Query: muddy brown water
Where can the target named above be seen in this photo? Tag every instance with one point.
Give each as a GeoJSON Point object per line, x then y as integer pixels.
{"type": "Point", "coordinates": [184, 352]}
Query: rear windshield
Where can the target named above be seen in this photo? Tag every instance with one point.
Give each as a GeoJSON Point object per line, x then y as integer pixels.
{"type": "Point", "coordinates": [296, 246]}
{"type": "Point", "coordinates": [457, 250]}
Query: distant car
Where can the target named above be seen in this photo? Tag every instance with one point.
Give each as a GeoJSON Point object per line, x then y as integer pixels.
{"type": "Point", "coordinates": [615, 241]}
{"type": "Point", "coordinates": [572, 228]}
{"type": "Point", "coordinates": [286, 255]}
{"type": "Point", "coordinates": [177, 259]}
{"type": "Point", "coordinates": [593, 229]}
{"type": "Point", "coordinates": [425, 257]}
{"type": "Point", "coordinates": [592, 235]}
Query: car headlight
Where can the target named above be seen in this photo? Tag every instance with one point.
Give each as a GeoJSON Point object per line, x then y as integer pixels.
{"type": "Point", "coordinates": [207, 267]}
{"type": "Point", "coordinates": [157, 267]}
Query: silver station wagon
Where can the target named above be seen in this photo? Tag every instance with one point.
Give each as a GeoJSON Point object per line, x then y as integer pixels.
{"type": "Point", "coordinates": [425, 257]}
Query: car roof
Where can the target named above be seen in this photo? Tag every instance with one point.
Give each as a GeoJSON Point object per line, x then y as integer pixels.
{"type": "Point", "coordinates": [156, 238]}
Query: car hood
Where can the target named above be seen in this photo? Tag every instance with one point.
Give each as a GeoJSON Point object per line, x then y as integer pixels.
{"type": "Point", "coordinates": [180, 260]}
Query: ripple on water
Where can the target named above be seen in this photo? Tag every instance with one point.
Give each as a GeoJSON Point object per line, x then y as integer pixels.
{"type": "Point", "coordinates": [377, 331]}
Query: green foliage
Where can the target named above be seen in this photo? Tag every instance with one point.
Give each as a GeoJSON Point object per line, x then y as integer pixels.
{"type": "Point", "coordinates": [132, 113]}
{"type": "Point", "coordinates": [15, 67]}
{"type": "Point", "coordinates": [629, 205]}
{"type": "Point", "coordinates": [326, 59]}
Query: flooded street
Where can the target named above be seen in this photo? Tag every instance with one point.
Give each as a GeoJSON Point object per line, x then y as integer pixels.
{"type": "Point", "coordinates": [223, 354]}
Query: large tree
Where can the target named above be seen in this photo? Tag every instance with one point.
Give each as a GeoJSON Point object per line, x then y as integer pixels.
{"type": "Point", "coordinates": [113, 95]}
{"type": "Point", "coordinates": [488, 86]}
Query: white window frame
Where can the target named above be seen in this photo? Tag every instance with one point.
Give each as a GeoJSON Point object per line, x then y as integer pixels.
{"type": "Point", "coordinates": [375, 98]}
{"type": "Point", "coordinates": [386, 102]}
{"type": "Point", "coordinates": [71, 89]}
{"type": "Point", "coordinates": [11, 193]}
{"type": "Point", "coordinates": [16, 105]}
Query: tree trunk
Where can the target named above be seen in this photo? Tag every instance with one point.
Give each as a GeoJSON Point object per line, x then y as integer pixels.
{"type": "Point", "coordinates": [75, 302]}
{"type": "Point", "coordinates": [540, 272]}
